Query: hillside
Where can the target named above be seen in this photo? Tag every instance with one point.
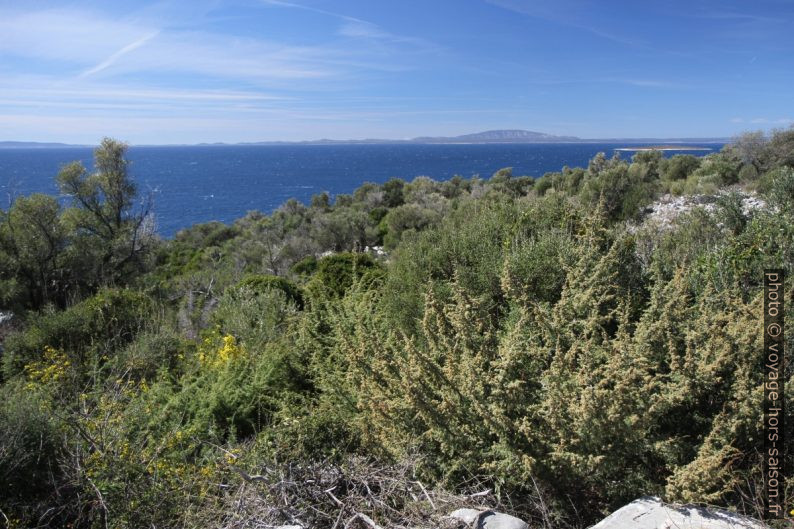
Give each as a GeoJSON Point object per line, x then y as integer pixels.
{"type": "Point", "coordinates": [500, 136]}
{"type": "Point", "coordinates": [550, 348]}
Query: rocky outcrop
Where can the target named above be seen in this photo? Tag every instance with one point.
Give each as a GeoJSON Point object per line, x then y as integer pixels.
{"type": "Point", "coordinates": [669, 207]}
{"type": "Point", "coordinates": [478, 519]}
{"type": "Point", "coordinates": [651, 513]}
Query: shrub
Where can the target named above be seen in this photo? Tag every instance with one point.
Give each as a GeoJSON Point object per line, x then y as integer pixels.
{"type": "Point", "coordinates": [679, 167]}
{"type": "Point", "coordinates": [336, 273]}
{"type": "Point", "coordinates": [778, 187]}
{"type": "Point", "coordinates": [29, 453]}
{"type": "Point", "coordinates": [305, 267]}
{"type": "Point", "coordinates": [406, 217]}
{"type": "Point", "coordinates": [261, 283]}
{"type": "Point", "coordinates": [89, 332]}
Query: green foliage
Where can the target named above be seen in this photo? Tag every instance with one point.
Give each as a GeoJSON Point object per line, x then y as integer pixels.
{"type": "Point", "coordinates": [534, 340]}
{"type": "Point", "coordinates": [33, 243]}
{"type": "Point", "coordinates": [337, 273]}
{"type": "Point", "coordinates": [89, 332]}
{"type": "Point", "coordinates": [262, 283]}
{"type": "Point", "coordinates": [305, 267]}
{"type": "Point", "coordinates": [621, 190]}
{"type": "Point", "coordinates": [151, 353]}
{"type": "Point", "coordinates": [29, 456]}
{"type": "Point", "coordinates": [778, 186]}
{"type": "Point", "coordinates": [393, 193]}
{"type": "Point", "coordinates": [404, 218]}
{"type": "Point", "coordinates": [679, 167]}
{"type": "Point", "coordinates": [468, 244]}
{"type": "Point", "coordinates": [109, 236]}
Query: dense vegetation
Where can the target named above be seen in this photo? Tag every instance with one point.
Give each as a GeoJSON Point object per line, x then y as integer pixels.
{"type": "Point", "coordinates": [536, 335]}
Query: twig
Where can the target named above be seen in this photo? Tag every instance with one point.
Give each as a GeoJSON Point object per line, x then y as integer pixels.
{"type": "Point", "coordinates": [481, 493]}
{"type": "Point", "coordinates": [101, 501]}
{"type": "Point", "coordinates": [328, 491]}
{"type": "Point", "coordinates": [366, 519]}
{"type": "Point", "coordinates": [433, 505]}
{"type": "Point", "coordinates": [246, 476]}
{"type": "Point", "coordinates": [341, 512]}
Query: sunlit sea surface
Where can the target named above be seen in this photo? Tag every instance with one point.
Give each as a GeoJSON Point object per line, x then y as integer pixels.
{"type": "Point", "coordinates": [196, 184]}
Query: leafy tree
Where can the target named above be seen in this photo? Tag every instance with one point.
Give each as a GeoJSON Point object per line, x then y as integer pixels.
{"type": "Point", "coordinates": [110, 235]}
{"type": "Point", "coordinates": [780, 149]}
{"type": "Point", "coordinates": [750, 149]}
{"type": "Point", "coordinates": [679, 167]}
{"type": "Point", "coordinates": [406, 217]}
{"type": "Point", "coordinates": [393, 193]}
{"type": "Point", "coordinates": [33, 241]}
{"type": "Point", "coordinates": [337, 273]}
{"type": "Point", "coordinates": [261, 283]}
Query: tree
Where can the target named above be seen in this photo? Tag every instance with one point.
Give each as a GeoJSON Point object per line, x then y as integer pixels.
{"type": "Point", "coordinates": [110, 235]}
{"type": "Point", "coordinates": [750, 148]}
{"type": "Point", "coordinates": [32, 244]}
{"type": "Point", "coordinates": [680, 166]}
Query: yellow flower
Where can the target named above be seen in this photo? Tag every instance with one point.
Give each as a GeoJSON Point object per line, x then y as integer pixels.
{"type": "Point", "coordinates": [52, 366]}
{"type": "Point", "coordinates": [228, 352]}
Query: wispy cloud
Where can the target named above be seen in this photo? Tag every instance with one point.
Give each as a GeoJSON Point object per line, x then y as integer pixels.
{"type": "Point", "coordinates": [357, 28]}
{"type": "Point", "coordinates": [79, 40]}
{"type": "Point", "coordinates": [647, 83]}
{"type": "Point", "coordinates": [293, 5]}
{"type": "Point", "coordinates": [123, 51]}
{"type": "Point", "coordinates": [763, 121]}
{"type": "Point", "coordinates": [91, 68]}
{"type": "Point", "coordinates": [572, 13]}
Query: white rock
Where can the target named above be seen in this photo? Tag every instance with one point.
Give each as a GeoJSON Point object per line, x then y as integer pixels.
{"type": "Point", "coordinates": [651, 513]}
{"type": "Point", "coordinates": [489, 519]}
{"type": "Point", "coordinates": [465, 515]}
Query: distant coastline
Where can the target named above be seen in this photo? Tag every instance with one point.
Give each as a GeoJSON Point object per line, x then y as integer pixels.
{"type": "Point", "coordinates": [509, 136]}
{"type": "Point", "coordinates": [665, 148]}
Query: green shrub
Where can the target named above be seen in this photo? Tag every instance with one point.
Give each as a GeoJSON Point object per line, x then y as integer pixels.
{"type": "Point", "coordinates": [151, 352]}
{"type": "Point", "coordinates": [255, 318]}
{"type": "Point", "coordinates": [305, 267]}
{"type": "Point", "coordinates": [337, 273]}
{"type": "Point", "coordinates": [88, 332]}
{"type": "Point", "coordinates": [679, 167]}
{"type": "Point", "coordinates": [467, 245]}
{"type": "Point", "coordinates": [778, 187]}
{"type": "Point", "coordinates": [261, 283]}
{"type": "Point", "coordinates": [404, 218]}
{"type": "Point", "coordinates": [29, 452]}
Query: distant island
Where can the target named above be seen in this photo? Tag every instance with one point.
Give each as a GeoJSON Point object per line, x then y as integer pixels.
{"type": "Point", "coordinates": [665, 148]}
{"type": "Point", "coordinates": [511, 136]}
{"type": "Point", "coordinates": [36, 145]}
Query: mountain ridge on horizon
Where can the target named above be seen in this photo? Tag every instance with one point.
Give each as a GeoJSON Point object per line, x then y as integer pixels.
{"type": "Point", "coordinates": [513, 136]}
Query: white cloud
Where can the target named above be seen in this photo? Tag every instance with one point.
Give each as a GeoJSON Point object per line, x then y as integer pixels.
{"type": "Point", "coordinates": [576, 14]}
{"type": "Point", "coordinates": [82, 43]}
{"type": "Point", "coordinates": [360, 28]}
{"type": "Point", "coordinates": [123, 51]}
{"type": "Point", "coordinates": [763, 121]}
{"type": "Point", "coordinates": [70, 35]}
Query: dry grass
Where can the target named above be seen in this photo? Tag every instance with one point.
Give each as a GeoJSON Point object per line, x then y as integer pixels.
{"type": "Point", "coordinates": [358, 493]}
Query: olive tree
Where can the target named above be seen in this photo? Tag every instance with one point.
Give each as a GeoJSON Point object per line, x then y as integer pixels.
{"type": "Point", "coordinates": [111, 236]}
{"type": "Point", "coordinates": [32, 245]}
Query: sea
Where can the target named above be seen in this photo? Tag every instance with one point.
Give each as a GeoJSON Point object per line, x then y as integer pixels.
{"type": "Point", "coordinates": [196, 184]}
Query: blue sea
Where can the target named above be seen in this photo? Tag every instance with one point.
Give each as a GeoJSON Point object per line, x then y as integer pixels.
{"type": "Point", "coordinates": [192, 184]}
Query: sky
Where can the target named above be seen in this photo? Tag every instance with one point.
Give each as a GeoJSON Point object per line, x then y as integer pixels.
{"type": "Point", "coordinates": [164, 72]}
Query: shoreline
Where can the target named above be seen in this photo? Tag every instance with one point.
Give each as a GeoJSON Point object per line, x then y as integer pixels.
{"type": "Point", "coordinates": [665, 148]}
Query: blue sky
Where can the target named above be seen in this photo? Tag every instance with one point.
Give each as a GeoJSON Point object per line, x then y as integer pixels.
{"type": "Point", "coordinates": [204, 71]}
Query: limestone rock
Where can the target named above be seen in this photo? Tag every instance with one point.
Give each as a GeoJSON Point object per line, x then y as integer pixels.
{"type": "Point", "coordinates": [651, 513]}
{"type": "Point", "coordinates": [487, 519]}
